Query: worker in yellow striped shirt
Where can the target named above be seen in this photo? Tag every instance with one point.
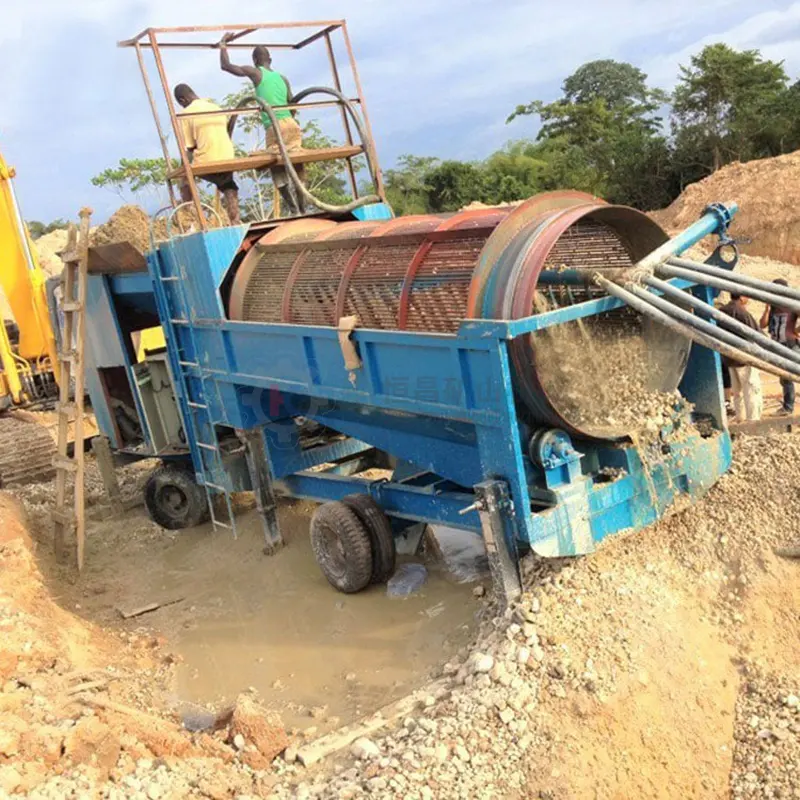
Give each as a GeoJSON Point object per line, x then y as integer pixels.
{"type": "Point", "coordinates": [206, 140]}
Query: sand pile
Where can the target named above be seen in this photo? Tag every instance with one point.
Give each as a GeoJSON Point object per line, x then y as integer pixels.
{"type": "Point", "coordinates": [127, 224]}
{"type": "Point", "coordinates": [768, 213]}
{"type": "Point", "coordinates": [48, 248]}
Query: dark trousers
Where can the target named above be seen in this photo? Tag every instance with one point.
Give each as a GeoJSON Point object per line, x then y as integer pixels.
{"type": "Point", "coordinates": [788, 386]}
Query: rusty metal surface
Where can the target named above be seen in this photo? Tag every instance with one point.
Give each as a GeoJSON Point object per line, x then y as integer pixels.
{"type": "Point", "coordinates": [409, 272]}
{"type": "Point", "coordinates": [156, 39]}
{"type": "Point", "coordinates": [243, 29]}
{"type": "Point", "coordinates": [253, 296]}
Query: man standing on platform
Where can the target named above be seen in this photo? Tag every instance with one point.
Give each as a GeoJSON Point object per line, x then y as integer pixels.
{"type": "Point", "coordinates": [206, 139]}
{"type": "Point", "coordinates": [274, 89]}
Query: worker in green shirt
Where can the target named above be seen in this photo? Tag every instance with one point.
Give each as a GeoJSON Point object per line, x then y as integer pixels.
{"type": "Point", "coordinates": [273, 88]}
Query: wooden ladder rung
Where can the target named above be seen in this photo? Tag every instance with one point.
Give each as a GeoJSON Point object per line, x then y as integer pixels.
{"type": "Point", "coordinates": [71, 305]}
{"type": "Point", "coordinates": [66, 463]}
{"type": "Point", "coordinates": [63, 517]}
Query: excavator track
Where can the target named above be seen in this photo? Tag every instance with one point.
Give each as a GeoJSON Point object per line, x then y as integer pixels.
{"type": "Point", "coordinates": [26, 452]}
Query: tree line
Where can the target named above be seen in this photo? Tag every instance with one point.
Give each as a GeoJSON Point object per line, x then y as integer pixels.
{"type": "Point", "coordinates": [612, 134]}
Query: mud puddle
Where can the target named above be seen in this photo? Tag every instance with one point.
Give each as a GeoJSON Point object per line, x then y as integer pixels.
{"type": "Point", "coordinates": [274, 623]}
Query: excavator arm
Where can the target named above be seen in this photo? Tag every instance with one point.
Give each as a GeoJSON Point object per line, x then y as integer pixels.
{"type": "Point", "coordinates": [23, 283]}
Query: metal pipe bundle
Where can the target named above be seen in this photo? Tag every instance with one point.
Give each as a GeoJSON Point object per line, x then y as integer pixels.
{"type": "Point", "coordinates": [730, 284]}
{"type": "Point", "coordinates": [744, 280]}
{"type": "Point", "coordinates": [644, 303]}
{"type": "Point", "coordinates": [725, 320]}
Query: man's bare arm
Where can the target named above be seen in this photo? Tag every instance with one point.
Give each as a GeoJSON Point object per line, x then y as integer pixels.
{"type": "Point", "coordinates": [240, 71]}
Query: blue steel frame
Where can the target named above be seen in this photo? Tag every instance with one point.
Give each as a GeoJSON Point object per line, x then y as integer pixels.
{"type": "Point", "coordinates": [443, 405]}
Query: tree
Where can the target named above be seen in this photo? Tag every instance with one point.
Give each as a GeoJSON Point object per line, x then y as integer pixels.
{"type": "Point", "coordinates": [617, 83]}
{"type": "Point", "coordinates": [406, 184]}
{"type": "Point", "coordinates": [728, 101]}
{"type": "Point", "coordinates": [135, 175]}
{"type": "Point", "coordinates": [604, 135]}
{"type": "Point", "coordinates": [452, 185]}
{"type": "Point", "coordinates": [37, 229]}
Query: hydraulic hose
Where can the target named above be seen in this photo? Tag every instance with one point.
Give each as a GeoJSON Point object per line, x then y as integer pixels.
{"type": "Point", "coordinates": [287, 162]}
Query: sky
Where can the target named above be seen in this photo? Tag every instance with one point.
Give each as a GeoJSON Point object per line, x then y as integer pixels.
{"type": "Point", "coordinates": [439, 78]}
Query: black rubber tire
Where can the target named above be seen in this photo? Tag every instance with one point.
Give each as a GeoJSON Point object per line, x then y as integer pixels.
{"type": "Point", "coordinates": [342, 547]}
{"type": "Point", "coordinates": [173, 499]}
{"type": "Point", "coordinates": [384, 552]}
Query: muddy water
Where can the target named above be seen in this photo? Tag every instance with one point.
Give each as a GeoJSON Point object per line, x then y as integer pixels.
{"type": "Point", "coordinates": [275, 624]}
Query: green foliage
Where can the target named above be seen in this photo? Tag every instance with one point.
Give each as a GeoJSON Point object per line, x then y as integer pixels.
{"type": "Point", "coordinates": [37, 229]}
{"type": "Point", "coordinates": [134, 175]}
{"type": "Point", "coordinates": [731, 102]}
{"type": "Point", "coordinates": [406, 184]}
{"type": "Point", "coordinates": [454, 184]}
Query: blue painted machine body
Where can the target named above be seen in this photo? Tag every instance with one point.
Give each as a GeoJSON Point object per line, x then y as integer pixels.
{"type": "Point", "coordinates": [442, 406]}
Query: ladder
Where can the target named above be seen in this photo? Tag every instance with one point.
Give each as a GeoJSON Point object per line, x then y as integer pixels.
{"type": "Point", "coordinates": [179, 318]}
{"type": "Point", "coordinates": [69, 513]}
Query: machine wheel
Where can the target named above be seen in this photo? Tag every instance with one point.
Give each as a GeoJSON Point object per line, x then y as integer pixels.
{"type": "Point", "coordinates": [342, 547]}
{"type": "Point", "coordinates": [384, 553]}
{"type": "Point", "coordinates": [173, 499]}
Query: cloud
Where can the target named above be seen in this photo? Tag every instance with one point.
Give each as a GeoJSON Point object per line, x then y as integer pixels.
{"type": "Point", "coordinates": [775, 32]}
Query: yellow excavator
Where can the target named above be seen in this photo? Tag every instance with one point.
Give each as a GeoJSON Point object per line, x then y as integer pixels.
{"type": "Point", "coordinates": [27, 349]}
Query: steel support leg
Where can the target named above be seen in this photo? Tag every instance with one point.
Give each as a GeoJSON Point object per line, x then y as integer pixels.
{"type": "Point", "coordinates": [262, 488]}
{"type": "Point", "coordinates": [499, 535]}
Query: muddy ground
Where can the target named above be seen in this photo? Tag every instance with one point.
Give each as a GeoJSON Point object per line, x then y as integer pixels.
{"type": "Point", "coordinates": [664, 665]}
{"type": "Point", "coordinates": [238, 619]}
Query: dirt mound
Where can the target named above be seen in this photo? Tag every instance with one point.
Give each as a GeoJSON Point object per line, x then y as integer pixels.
{"type": "Point", "coordinates": [80, 706]}
{"type": "Point", "coordinates": [127, 224]}
{"type": "Point", "coordinates": [768, 213]}
{"type": "Point", "coordinates": [48, 248]}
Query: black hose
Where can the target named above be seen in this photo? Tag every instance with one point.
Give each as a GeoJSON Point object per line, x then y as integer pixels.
{"type": "Point", "coordinates": [245, 101]}
{"type": "Point", "coordinates": [287, 162]}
